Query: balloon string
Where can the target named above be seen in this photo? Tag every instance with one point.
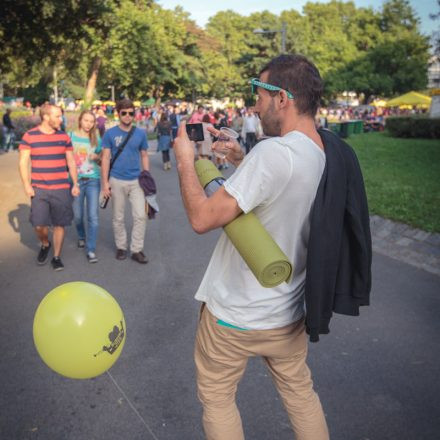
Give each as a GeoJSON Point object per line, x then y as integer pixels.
{"type": "Point", "coordinates": [132, 406]}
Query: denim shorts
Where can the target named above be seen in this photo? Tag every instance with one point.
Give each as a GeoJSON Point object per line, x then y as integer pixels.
{"type": "Point", "coordinates": [51, 207]}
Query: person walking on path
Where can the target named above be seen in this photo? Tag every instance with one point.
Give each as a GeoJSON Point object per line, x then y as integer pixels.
{"type": "Point", "coordinates": [206, 144]}
{"type": "Point", "coordinates": [8, 131]}
{"type": "Point", "coordinates": [175, 120]}
{"type": "Point", "coordinates": [86, 150]}
{"type": "Point", "coordinates": [164, 131]}
{"type": "Point", "coordinates": [121, 183]}
{"type": "Point", "coordinates": [278, 181]}
{"type": "Point", "coordinates": [50, 153]}
{"type": "Point", "coordinates": [101, 120]}
{"type": "Point", "coordinates": [250, 130]}
{"type": "Point", "coordinates": [237, 123]}
{"type": "Point", "coordinates": [197, 116]}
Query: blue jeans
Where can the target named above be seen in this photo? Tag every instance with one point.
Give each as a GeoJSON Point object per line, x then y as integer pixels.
{"type": "Point", "coordinates": [89, 192]}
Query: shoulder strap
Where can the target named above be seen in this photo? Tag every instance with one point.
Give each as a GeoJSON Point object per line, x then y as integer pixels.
{"type": "Point", "coordinates": [122, 146]}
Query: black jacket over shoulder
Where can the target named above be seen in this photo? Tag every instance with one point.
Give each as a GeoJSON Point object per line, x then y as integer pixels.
{"type": "Point", "coordinates": [338, 275]}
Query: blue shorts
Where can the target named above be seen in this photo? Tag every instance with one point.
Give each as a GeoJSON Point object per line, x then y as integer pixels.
{"type": "Point", "coordinates": [51, 207]}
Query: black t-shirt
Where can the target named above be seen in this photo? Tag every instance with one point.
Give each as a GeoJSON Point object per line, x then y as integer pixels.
{"type": "Point", "coordinates": [7, 121]}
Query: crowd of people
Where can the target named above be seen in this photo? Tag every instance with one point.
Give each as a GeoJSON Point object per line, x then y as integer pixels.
{"type": "Point", "coordinates": [164, 121]}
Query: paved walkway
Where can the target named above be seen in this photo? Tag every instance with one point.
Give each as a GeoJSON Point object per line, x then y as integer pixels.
{"type": "Point", "coordinates": [412, 246]}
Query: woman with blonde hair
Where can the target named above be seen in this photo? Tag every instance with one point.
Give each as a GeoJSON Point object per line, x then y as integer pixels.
{"type": "Point", "coordinates": [87, 149]}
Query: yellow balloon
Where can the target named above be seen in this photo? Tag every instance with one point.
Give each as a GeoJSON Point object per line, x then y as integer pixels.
{"type": "Point", "coordinates": [79, 330]}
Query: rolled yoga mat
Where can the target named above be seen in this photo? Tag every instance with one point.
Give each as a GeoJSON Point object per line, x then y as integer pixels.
{"type": "Point", "coordinates": [263, 256]}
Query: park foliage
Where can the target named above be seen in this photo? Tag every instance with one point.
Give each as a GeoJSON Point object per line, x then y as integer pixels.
{"type": "Point", "coordinates": [144, 50]}
{"type": "Point", "coordinates": [414, 127]}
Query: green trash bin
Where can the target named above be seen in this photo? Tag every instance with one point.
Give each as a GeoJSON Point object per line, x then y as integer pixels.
{"type": "Point", "coordinates": [358, 126]}
{"type": "Point", "coordinates": [335, 127]}
{"type": "Point", "coordinates": [350, 128]}
{"type": "Point", "coordinates": [344, 130]}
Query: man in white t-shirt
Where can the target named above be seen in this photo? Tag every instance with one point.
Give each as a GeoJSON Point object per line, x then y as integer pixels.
{"type": "Point", "coordinates": [277, 181]}
{"type": "Point", "coordinates": [250, 130]}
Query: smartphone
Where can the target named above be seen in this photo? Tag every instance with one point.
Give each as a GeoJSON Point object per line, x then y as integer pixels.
{"type": "Point", "coordinates": [103, 201]}
{"type": "Point", "coordinates": [195, 132]}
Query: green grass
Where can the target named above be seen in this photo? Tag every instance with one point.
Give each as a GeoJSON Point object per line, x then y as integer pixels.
{"type": "Point", "coordinates": [402, 178]}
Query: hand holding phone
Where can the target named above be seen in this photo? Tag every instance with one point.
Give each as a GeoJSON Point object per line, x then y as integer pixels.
{"type": "Point", "coordinates": [103, 200]}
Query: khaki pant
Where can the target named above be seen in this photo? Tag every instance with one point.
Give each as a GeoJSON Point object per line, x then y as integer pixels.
{"type": "Point", "coordinates": [221, 355]}
{"type": "Point", "coordinates": [122, 189]}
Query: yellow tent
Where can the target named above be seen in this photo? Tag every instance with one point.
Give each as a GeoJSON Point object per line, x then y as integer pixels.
{"type": "Point", "coordinates": [410, 98]}
{"type": "Point", "coordinates": [379, 103]}
{"type": "Point", "coordinates": [137, 103]}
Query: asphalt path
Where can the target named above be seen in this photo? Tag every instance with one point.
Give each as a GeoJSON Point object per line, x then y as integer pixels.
{"type": "Point", "coordinates": [377, 374]}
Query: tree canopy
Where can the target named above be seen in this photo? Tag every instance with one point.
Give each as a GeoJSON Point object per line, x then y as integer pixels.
{"type": "Point", "coordinates": [144, 50]}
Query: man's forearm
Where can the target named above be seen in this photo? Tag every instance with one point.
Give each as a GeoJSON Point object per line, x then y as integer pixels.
{"type": "Point", "coordinates": [193, 195]}
{"type": "Point", "coordinates": [24, 173]}
{"type": "Point", "coordinates": [145, 162]}
{"type": "Point", "coordinates": [105, 166]}
{"type": "Point", "coordinates": [72, 169]}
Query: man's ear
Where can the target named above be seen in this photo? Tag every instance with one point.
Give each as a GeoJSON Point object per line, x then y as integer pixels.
{"type": "Point", "coordinates": [284, 100]}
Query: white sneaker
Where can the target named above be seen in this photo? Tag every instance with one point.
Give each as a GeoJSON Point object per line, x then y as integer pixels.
{"type": "Point", "coordinates": [91, 257]}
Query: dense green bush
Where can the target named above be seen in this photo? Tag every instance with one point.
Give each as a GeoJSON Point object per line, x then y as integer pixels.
{"type": "Point", "coordinates": [414, 127]}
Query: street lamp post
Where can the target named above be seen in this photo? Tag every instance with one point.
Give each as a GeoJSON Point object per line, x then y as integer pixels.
{"type": "Point", "coordinates": [275, 31]}
{"type": "Point", "coordinates": [113, 92]}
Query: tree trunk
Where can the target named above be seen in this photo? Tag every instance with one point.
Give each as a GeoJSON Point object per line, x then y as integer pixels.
{"type": "Point", "coordinates": [91, 83]}
{"type": "Point", "coordinates": [55, 85]}
{"type": "Point", "coordinates": [157, 94]}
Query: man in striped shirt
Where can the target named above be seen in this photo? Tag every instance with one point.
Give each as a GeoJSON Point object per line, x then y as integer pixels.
{"type": "Point", "coordinates": [49, 152]}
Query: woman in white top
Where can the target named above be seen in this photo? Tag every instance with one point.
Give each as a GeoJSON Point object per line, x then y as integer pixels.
{"type": "Point", "coordinates": [205, 151]}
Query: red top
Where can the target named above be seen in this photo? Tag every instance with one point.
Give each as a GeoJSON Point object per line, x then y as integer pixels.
{"type": "Point", "coordinates": [48, 158]}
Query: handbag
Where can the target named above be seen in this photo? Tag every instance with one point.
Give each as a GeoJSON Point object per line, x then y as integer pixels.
{"type": "Point", "coordinates": [104, 201]}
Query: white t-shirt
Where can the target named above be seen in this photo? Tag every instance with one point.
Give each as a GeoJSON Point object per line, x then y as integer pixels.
{"type": "Point", "coordinates": [278, 181]}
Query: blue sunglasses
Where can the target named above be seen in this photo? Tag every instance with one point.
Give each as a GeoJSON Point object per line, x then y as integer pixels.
{"type": "Point", "coordinates": [255, 82]}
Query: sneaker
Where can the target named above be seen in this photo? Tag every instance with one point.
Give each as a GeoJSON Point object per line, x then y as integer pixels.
{"type": "Point", "coordinates": [81, 243]}
{"type": "Point", "coordinates": [43, 254]}
{"type": "Point", "coordinates": [121, 254]}
{"type": "Point", "coordinates": [57, 264]}
{"type": "Point", "coordinates": [91, 257]}
{"type": "Point", "coordinates": [139, 257]}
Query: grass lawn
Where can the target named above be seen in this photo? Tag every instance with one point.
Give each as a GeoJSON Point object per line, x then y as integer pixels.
{"type": "Point", "coordinates": [402, 177]}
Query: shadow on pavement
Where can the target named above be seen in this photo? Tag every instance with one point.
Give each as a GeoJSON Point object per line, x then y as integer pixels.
{"type": "Point", "coordinates": [19, 222]}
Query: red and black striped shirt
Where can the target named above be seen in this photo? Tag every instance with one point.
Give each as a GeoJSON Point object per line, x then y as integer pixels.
{"type": "Point", "coordinates": [48, 158]}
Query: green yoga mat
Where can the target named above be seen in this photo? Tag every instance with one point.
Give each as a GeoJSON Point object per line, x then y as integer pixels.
{"type": "Point", "coordinates": [263, 256]}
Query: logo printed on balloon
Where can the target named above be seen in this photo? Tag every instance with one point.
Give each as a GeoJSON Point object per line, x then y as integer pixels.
{"type": "Point", "coordinates": [116, 336]}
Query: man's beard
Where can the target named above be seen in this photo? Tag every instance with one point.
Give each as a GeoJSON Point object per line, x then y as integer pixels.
{"type": "Point", "coordinates": [270, 123]}
{"type": "Point", "coordinates": [55, 126]}
{"type": "Point", "coordinates": [125, 124]}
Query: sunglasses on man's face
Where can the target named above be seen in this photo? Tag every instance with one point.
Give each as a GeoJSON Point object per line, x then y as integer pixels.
{"type": "Point", "coordinates": [255, 83]}
{"type": "Point", "coordinates": [124, 113]}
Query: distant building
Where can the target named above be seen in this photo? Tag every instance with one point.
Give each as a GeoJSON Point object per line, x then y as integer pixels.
{"type": "Point", "coordinates": [434, 72]}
